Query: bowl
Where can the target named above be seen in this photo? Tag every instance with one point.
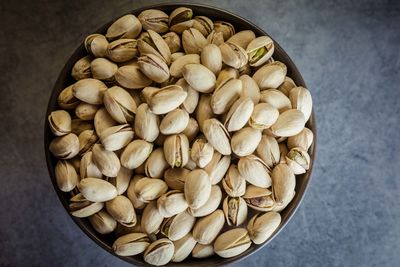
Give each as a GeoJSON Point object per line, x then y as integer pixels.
{"type": "Point", "coordinates": [302, 181]}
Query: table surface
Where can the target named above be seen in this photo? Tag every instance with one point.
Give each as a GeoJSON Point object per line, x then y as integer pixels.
{"type": "Point", "coordinates": [348, 53]}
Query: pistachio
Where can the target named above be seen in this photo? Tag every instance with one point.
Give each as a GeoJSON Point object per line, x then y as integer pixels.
{"type": "Point", "coordinates": [156, 164]}
{"type": "Point", "coordinates": [127, 26]}
{"type": "Point", "coordinates": [81, 207]}
{"type": "Point", "coordinates": [271, 75]}
{"type": "Point", "coordinates": [207, 228]}
{"type": "Point", "coordinates": [242, 38]}
{"type": "Point", "coordinates": [96, 44]}
{"type": "Point", "coordinates": [176, 150]}
{"type": "Point", "coordinates": [121, 209]}
{"type": "Point", "coordinates": [66, 99]}
{"type": "Point", "coordinates": [211, 58]}
{"type": "Point", "coordinates": [130, 192]}
{"type": "Point", "coordinates": [97, 190]}
{"type": "Point", "coordinates": [176, 67]}
{"type": "Point", "coordinates": [102, 121]}
{"type": "Point", "coordinates": [121, 182]}
{"type": "Point", "coordinates": [177, 55]}
{"type": "Point", "coordinates": [81, 69]}
{"type": "Point", "coordinates": [204, 110]}
{"type": "Point", "coordinates": [298, 160]}
{"type": "Point", "coordinates": [122, 50]}
{"type": "Point", "coordinates": [287, 85]}
{"type": "Point", "coordinates": [78, 126]}
{"type": "Point", "coordinates": [193, 41]}
{"type": "Point", "coordinates": [154, 19]}
{"type": "Point", "coordinates": [255, 171]}
{"type": "Point", "coordinates": [116, 137]}
{"type": "Point", "coordinates": [202, 152]}
{"type": "Point", "coordinates": [178, 226]}
{"type": "Point", "coordinates": [102, 222]}
{"type": "Point", "coordinates": [211, 204]}
{"type": "Point", "coordinates": [283, 151]}
{"type": "Point", "coordinates": [136, 153]}
{"type": "Point", "coordinates": [197, 188]}
{"type": "Point", "coordinates": [147, 189]}
{"type": "Point", "coordinates": [173, 41]}
{"type": "Point", "coordinates": [216, 38]}
{"type": "Point", "coordinates": [268, 151]}
{"type": "Point", "coordinates": [304, 139]}
{"type": "Point", "coordinates": [233, 55]}
{"type": "Point", "coordinates": [234, 183]}
{"type": "Point", "coordinates": [180, 19]}
{"type": "Point", "coordinates": [146, 123]}
{"type": "Point", "coordinates": [85, 111]}
{"type": "Point", "coordinates": [87, 139]}
{"type": "Point", "coordinates": [131, 77]}
{"type": "Point", "coordinates": [258, 198]}
{"type": "Point", "coordinates": [89, 90]}
{"type": "Point", "coordinates": [174, 122]}
{"type": "Point", "coordinates": [232, 243]}
{"type": "Point", "coordinates": [191, 129]}
{"type": "Point", "coordinates": [131, 244]}
{"type": "Point", "coordinates": [151, 219]}
{"type": "Point", "coordinates": [217, 168]}
{"type": "Point", "coordinates": [199, 77]}
{"type": "Point", "coordinates": [103, 69]}
{"type": "Point", "coordinates": [175, 178]}
{"type": "Point", "coordinates": [245, 141]}
{"type": "Point", "coordinates": [88, 168]}
{"type": "Point", "coordinates": [277, 99]}
{"type": "Point", "coordinates": [166, 99]}
{"type": "Point", "coordinates": [203, 24]}
{"type": "Point", "coordinates": [107, 161]}
{"type": "Point", "coordinates": [250, 88]}
{"type": "Point", "coordinates": [153, 43]}
{"type": "Point", "coordinates": [172, 203]}
{"type": "Point", "coordinates": [301, 100]}
{"type": "Point", "coordinates": [289, 123]}
{"type": "Point", "coordinates": [65, 147]}
{"type": "Point", "coordinates": [226, 28]}
{"type": "Point", "coordinates": [202, 251]}
{"type": "Point", "coordinates": [159, 252]}
{"type": "Point", "coordinates": [154, 68]}
{"type": "Point", "coordinates": [183, 247]}
{"type": "Point", "coordinates": [192, 99]}
{"type": "Point", "coordinates": [76, 163]}
{"type": "Point", "coordinates": [60, 122]}
{"type": "Point", "coordinates": [121, 230]}
{"type": "Point", "coordinates": [66, 176]}
{"type": "Point", "coordinates": [226, 75]}
{"type": "Point", "coordinates": [264, 116]}
{"type": "Point", "coordinates": [235, 210]}
{"type": "Point", "coordinates": [239, 114]}
{"type": "Point", "coordinates": [260, 50]}
{"type": "Point", "coordinates": [119, 104]}
{"type": "Point", "coordinates": [262, 226]}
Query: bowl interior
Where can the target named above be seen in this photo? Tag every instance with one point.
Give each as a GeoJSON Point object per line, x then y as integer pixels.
{"type": "Point", "coordinates": [65, 79]}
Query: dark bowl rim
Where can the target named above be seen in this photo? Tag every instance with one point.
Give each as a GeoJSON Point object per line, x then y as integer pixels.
{"type": "Point", "coordinates": [132, 260]}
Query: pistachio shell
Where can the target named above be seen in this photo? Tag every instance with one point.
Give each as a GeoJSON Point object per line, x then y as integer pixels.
{"type": "Point", "coordinates": [197, 188]}
{"type": "Point", "coordinates": [234, 183]}
{"type": "Point", "coordinates": [107, 161]}
{"type": "Point", "coordinates": [174, 122]}
{"type": "Point", "coordinates": [235, 210]}
{"type": "Point", "coordinates": [287, 85]}
{"type": "Point", "coordinates": [78, 126]}
{"type": "Point", "coordinates": [156, 164]}
{"type": "Point", "coordinates": [193, 41]}
{"type": "Point", "coordinates": [136, 153]}
{"type": "Point", "coordinates": [66, 99]}
{"type": "Point", "coordinates": [216, 38]}
{"type": "Point", "coordinates": [192, 99]}
{"type": "Point", "coordinates": [87, 139]}
{"type": "Point", "coordinates": [121, 209]}
{"type": "Point", "coordinates": [151, 219]}
{"type": "Point", "coordinates": [154, 19]}
{"type": "Point", "coordinates": [66, 176]}
{"type": "Point", "coordinates": [191, 129]}
{"type": "Point", "coordinates": [154, 68]}
{"type": "Point", "coordinates": [304, 139]}
{"type": "Point", "coordinates": [204, 110]}
{"type": "Point", "coordinates": [127, 26]}
{"type": "Point", "coordinates": [146, 123]}
{"type": "Point", "coordinates": [283, 183]}
{"type": "Point", "coordinates": [301, 100]}
{"type": "Point", "coordinates": [102, 121]}
{"type": "Point", "coordinates": [178, 226]}
{"type": "Point", "coordinates": [176, 150]}
{"type": "Point", "coordinates": [201, 152]}
{"type": "Point", "coordinates": [121, 182]}
{"type": "Point", "coordinates": [153, 43]}
{"type": "Point", "coordinates": [88, 168]}
{"type": "Point", "coordinates": [242, 38]}
{"type": "Point", "coordinates": [232, 243]}
{"type": "Point", "coordinates": [116, 137]}
{"type": "Point", "coordinates": [202, 251]}
{"type": "Point", "coordinates": [289, 123]}
{"type": "Point", "coordinates": [160, 252]}
{"type": "Point", "coordinates": [119, 104]}
{"type": "Point", "coordinates": [217, 136]}
{"type": "Point", "coordinates": [211, 204]}
{"type": "Point", "coordinates": [130, 193]}
{"type": "Point", "coordinates": [179, 15]}
{"type": "Point", "coordinates": [85, 111]}
{"type": "Point", "coordinates": [97, 190]}
{"type": "Point", "coordinates": [199, 77]}
{"type": "Point", "coordinates": [102, 222]}
{"type": "Point", "coordinates": [207, 228]}
{"type": "Point", "coordinates": [172, 203]}
{"type": "Point", "coordinates": [122, 50]}
{"type": "Point", "coordinates": [81, 207]}
{"type": "Point", "coordinates": [260, 50]}
{"type": "Point", "coordinates": [166, 99]}
{"type": "Point", "coordinates": [96, 44]}
{"type": "Point", "coordinates": [271, 75]}
{"type": "Point", "coordinates": [298, 160]}
{"type": "Point", "coordinates": [131, 244]}
{"type": "Point", "coordinates": [262, 226]}
{"type": "Point", "coordinates": [226, 75]}
{"type": "Point", "coordinates": [225, 95]}
{"type": "Point", "coordinates": [245, 141]}
{"type": "Point", "coordinates": [250, 88]}
{"type": "Point", "coordinates": [173, 41]}
{"type": "Point", "coordinates": [60, 122]}
{"type": "Point", "coordinates": [277, 99]}
{"type": "Point", "coordinates": [233, 55]}
{"type": "Point", "coordinates": [177, 65]}
{"type": "Point", "coordinates": [226, 28]}
{"type": "Point", "coordinates": [81, 69]}
{"type": "Point", "coordinates": [204, 24]}
{"type": "Point", "coordinates": [103, 69]}
{"type": "Point", "coordinates": [217, 168]}
{"type": "Point", "coordinates": [183, 248]}
{"type": "Point", "coordinates": [255, 171]}
{"type": "Point", "coordinates": [239, 114]}
{"type": "Point", "coordinates": [89, 90]}
{"type": "Point", "coordinates": [175, 178]}
{"type": "Point", "coordinates": [211, 58]}
{"type": "Point", "coordinates": [147, 189]}
{"type": "Point", "coordinates": [65, 147]}
{"type": "Point", "coordinates": [264, 116]}
{"type": "Point", "coordinates": [131, 77]}
{"type": "Point", "coordinates": [268, 150]}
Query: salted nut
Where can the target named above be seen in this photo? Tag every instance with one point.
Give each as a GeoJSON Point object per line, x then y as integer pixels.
{"type": "Point", "coordinates": [177, 226]}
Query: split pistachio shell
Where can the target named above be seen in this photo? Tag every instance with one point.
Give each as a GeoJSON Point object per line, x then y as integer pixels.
{"type": "Point", "coordinates": [191, 129]}
{"type": "Point", "coordinates": [66, 176]}
{"type": "Point", "coordinates": [287, 85]}
{"type": "Point", "coordinates": [262, 226]}
{"type": "Point", "coordinates": [103, 69]}
{"type": "Point", "coordinates": [121, 209]}
{"type": "Point", "coordinates": [122, 50]}
{"type": "Point", "coordinates": [127, 26]}
{"type": "Point", "coordinates": [199, 77]}
{"type": "Point", "coordinates": [87, 139]}
{"type": "Point", "coordinates": [66, 98]}
{"type": "Point", "coordinates": [217, 136]}
{"type": "Point", "coordinates": [176, 55]}
{"type": "Point", "coordinates": [116, 137]}
{"type": "Point", "coordinates": [271, 75]}
{"type": "Point", "coordinates": [102, 222]}
{"type": "Point", "coordinates": [183, 247]}
{"type": "Point", "coordinates": [242, 38]}
{"type": "Point", "coordinates": [304, 139]}
{"type": "Point", "coordinates": [283, 151]}
{"type": "Point", "coordinates": [154, 68]}
{"type": "Point", "coordinates": [218, 167]}
{"type": "Point", "coordinates": [204, 110]}
{"type": "Point", "coordinates": [96, 44]}
{"type": "Point", "coordinates": [255, 171]}
{"type": "Point", "coordinates": [178, 64]}
{"type": "Point", "coordinates": [78, 126]}
{"type": "Point", "coordinates": [122, 230]}
{"type": "Point", "coordinates": [175, 178]}
{"type": "Point", "coordinates": [176, 150]}
{"type": "Point", "coordinates": [193, 41]}
{"type": "Point", "coordinates": [232, 243]}
{"type": "Point", "coordinates": [224, 96]}
{"type": "Point", "coordinates": [160, 252]}
{"type": "Point", "coordinates": [178, 16]}
{"type": "Point", "coordinates": [234, 183]}
{"type": "Point", "coordinates": [239, 114]}
{"type": "Point", "coordinates": [225, 28]}
{"type": "Point", "coordinates": [289, 123]}
{"type": "Point", "coordinates": [121, 182]}
{"type": "Point", "coordinates": [173, 41]}
{"type": "Point", "coordinates": [154, 19]}
{"type": "Point", "coordinates": [283, 183]}
{"type": "Point", "coordinates": [204, 24]}
{"type": "Point", "coordinates": [119, 104]}
{"type": "Point", "coordinates": [216, 38]}
{"type": "Point", "coordinates": [201, 152]}
{"type": "Point", "coordinates": [166, 99]}
{"type": "Point", "coordinates": [130, 192]}
{"type": "Point", "coordinates": [88, 168]}
{"type": "Point", "coordinates": [268, 150]}
{"type": "Point", "coordinates": [277, 99]}
{"type": "Point", "coordinates": [235, 210]}
{"type": "Point", "coordinates": [65, 147]}
{"type": "Point", "coordinates": [197, 188]}
{"type": "Point", "coordinates": [171, 203]}
{"type": "Point", "coordinates": [202, 251]}
{"type": "Point", "coordinates": [102, 121]}
{"type": "Point", "coordinates": [151, 219]}
{"type": "Point", "coordinates": [211, 205]}
{"type": "Point", "coordinates": [136, 153]}
{"type": "Point", "coordinates": [298, 160]}
{"type": "Point", "coordinates": [153, 43]}
{"type": "Point", "coordinates": [174, 122]}
{"type": "Point", "coordinates": [156, 164]}
{"type": "Point", "coordinates": [301, 100]}
{"type": "Point", "coordinates": [226, 75]}
{"type": "Point", "coordinates": [131, 77]}
{"type": "Point", "coordinates": [81, 69]}
{"type": "Point", "coordinates": [97, 190]}
{"type": "Point", "coordinates": [192, 99]}
{"type": "Point", "coordinates": [264, 116]}
{"type": "Point", "coordinates": [211, 57]}
{"type": "Point", "coordinates": [60, 122]}
{"type": "Point", "coordinates": [250, 88]}
{"type": "Point", "coordinates": [207, 228]}
{"type": "Point", "coordinates": [107, 161]}
{"type": "Point", "coordinates": [85, 111]}
{"type": "Point", "coordinates": [147, 189]}
{"type": "Point", "coordinates": [245, 141]}
{"type": "Point", "coordinates": [260, 50]}
{"type": "Point", "coordinates": [178, 226]}
{"type": "Point", "coordinates": [81, 207]}
{"type": "Point", "coordinates": [146, 123]}
{"type": "Point", "coordinates": [89, 90]}
{"type": "Point", "coordinates": [233, 55]}
{"type": "Point", "coordinates": [131, 244]}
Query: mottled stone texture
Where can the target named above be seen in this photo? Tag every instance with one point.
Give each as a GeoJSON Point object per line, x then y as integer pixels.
{"type": "Point", "coordinates": [348, 53]}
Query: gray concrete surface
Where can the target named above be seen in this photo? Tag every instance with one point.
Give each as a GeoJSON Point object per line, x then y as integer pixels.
{"type": "Point", "coordinates": [348, 53]}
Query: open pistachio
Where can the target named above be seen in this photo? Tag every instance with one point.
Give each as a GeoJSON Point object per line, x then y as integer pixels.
{"type": "Point", "coordinates": [202, 251]}
{"type": "Point", "coordinates": [176, 55]}
{"type": "Point", "coordinates": [147, 189]}
{"type": "Point", "coordinates": [81, 69]}
{"type": "Point", "coordinates": [287, 85]}
{"type": "Point", "coordinates": [121, 230]}
{"type": "Point", "coordinates": [96, 44]}
{"type": "Point", "coordinates": [102, 222]}
{"type": "Point", "coordinates": [250, 88]}
{"type": "Point", "coordinates": [173, 41]}
{"type": "Point", "coordinates": [116, 137]}
{"type": "Point", "coordinates": [232, 243]}
{"type": "Point", "coordinates": [81, 207]}
{"type": "Point", "coordinates": [65, 147]}
{"type": "Point", "coordinates": [255, 171]}
{"type": "Point", "coordinates": [207, 228]}
{"type": "Point", "coordinates": [121, 182]}
{"type": "Point", "coordinates": [301, 100]}
{"type": "Point", "coordinates": [216, 38]}
{"type": "Point", "coordinates": [180, 19]}
{"type": "Point", "coordinates": [154, 68]}
{"type": "Point", "coordinates": [127, 26]}
{"type": "Point", "coordinates": [151, 219]}
{"type": "Point", "coordinates": [130, 193]}
{"type": "Point", "coordinates": [66, 98]}
{"type": "Point", "coordinates": [191, 129]}
{"type": "Point", "coordinates": [156, 164]}
{"type": "Point", "coordinates": [201, 152]}
{"type": "Point", "coordinates": [211, 204]}
{"type": "Point", "coordinates": [122, 50]}
{"type": "Point", "coordinates": [88, 168]}
{"type": "Point", "coordinates": [164, 100]}
{"type": "Point", "coordinates": [89, 90]}
{"type": "Point", "coordinates": [131, 244]}
{"type": "Point", "coordinates": [271, 75]}
{"type": "Point", "coordinates": [193, 41]}
{"type": "Point", "coordinates": [226, 28]}
{"type": "Point", "coordinates": [103, 120]}
{"type": "Point", "coordinates": [66, 176]}
{"type": "Point", "coordinates": [245, 141]}
{"type": "Point", "coordinates": [172, 203]}
{"type": "Point", "coordinates": [217, 136]}
{"type": "Point", "coordinates": [277, 99]}
{"type": "Point", "coordinates": [262, 226]}
{"type": "Point", "coordinates": [242, 38]}
{"type": "Point", "coordinates": [235, 210]}
{"type": "Point", "coordinates": [60, 122]}
{"type": "Point", "coordinates": [268, 150]}
{"type": "Point", "coordinates": [289, 123]}
{"type": "Point", "coordinates": [217, 167]}
{"type": "Point", "coordinates": [260, 50]}
{"type": "Point", "coordinates": [183, 247]}
{"type": "Point", "coordinates": [85, 111]}
{"type": "Point", "coordinates": [258, 198]}
{"type": "Point", "coordinates": [87, 139]}
{"type": "Point", "coordinates": [283, 151]}
{"type": "Point", "coordinates": [178, 64]}
{"type": "Point", "coordinates": [121, 209]}
{"type": "Point", "coordinates": [239, 114]}
{"type": "Point", "coordinates": [177, 226]}
{"type": "Point", "coordinates": [204, 110]}
{"type": "Point", "coordinates": [103, 69]}
{"type": "Point", "coordinates": [176, 150]}
{"type": "Point", "coordinates": [152, 43]}
{"type": "Point", "coordinates": [131, 77]}
{"type": "Point", "coordinates": [225, 95]}
{"type": "Point", "coordinates": [298, 160]}
{"type": "Point", "coordinates": [199, 77]}
{"type": "Point", "coordinates": [119, 104]}
{"type": "Point", "coordinates": [159, 252]}
{"type": "Point", "coordinates": [154, 19]}
{"type": "Point", "coordinates": [97, 190]}
{"type": "Point", "coordinates": [174, 122]}
{"type": "Point", "coordinates": [233, 55]}
{"type": "Point", "coordinates": [175, 178]}
{"type": "Point", "coordinates": [264, 116]}
{"type": "Point", "coordinates": [107, 161]}
{"type": "Point", "coordinates": [234, 183]}
{"type": "Point", "coordinates": [203, 24]}
{"type": "Point", "coordinates": [304, 139]}
{"type": "Point", "coordinates": [197, 188]}
{"type": "Point", "coordinates": [211, 57]}
{"type": "Point", "coordinates": [226, 75]}
{"type": "Point", "coordinates": [146, 123]}
{"type": "Point", "coordinates": [192, 99]}
{"type": "Point", "coordinates": [136, 153]}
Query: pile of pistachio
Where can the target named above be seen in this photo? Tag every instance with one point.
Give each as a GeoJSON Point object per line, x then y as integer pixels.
{"type": "Point", "coordinates": [180, 136]}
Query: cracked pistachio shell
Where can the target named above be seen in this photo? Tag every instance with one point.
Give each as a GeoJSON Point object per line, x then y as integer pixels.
{"type": "Point", "coordinates": [174, 122]}
{"type": "Point", "coordinates": [301, 100]}
{"type": "Point", "coordinates": [202, 251]}
{"type": "Point", "coordinates": [250, 88]}
{"type": "Point", "coordinates": [191, 165]}
{"type": "Point", "coordinates": [264, 116]}
{"type": "Point", "coordinates": [102, 222]}
{"type": "Point", "coordinates": [159, 252]}
{"type": "Point", "coordinates": [234, 183]}
{"type": "Point", "coordinates": [255, 171]}
{"type": "Point", "coordinates": [260, 50]}
{"type": "Point", "coordinates": [66, 99]}
{"type": "Point", "coordinates": [81, 69]}
{"type": "Point", "coordinates": [121, 182]}
{"type": "Point", "coordinates": [87, 139]}
{"type": "Point", "coordinates": [204, 111]}
{"type": "Point", "coordinates": [88, 168]}
{"type": "Point", "coordinates": [233, 55]}
{"type": "Point", "coordinates": [85, 111]}
{"type": "Point", "coordinates": [207, 228]}
{"type": "Point", "coordinates": [119, 104]}
{"type": "Point", "coordinates": [203, 24]}
{"type": "Point", "coordinates": [177, 55]}
{"type": "Point", "coordinates": [89, 90]}
{"type": "Point", "coordinates": [173, 41]}
{"type": "Point", "coordinates": [65, 147]}
{"type": "Point", "coordinates": [201, 152]}
{"type": "Point", "coordinates": [164, 100]}
{"type": "Point", "coordinates": [178, 226]}
{"type": "Point", "coordinates": [130, 192]}
{"type": "Point", "coordinates": [156, 164]}
{"type": "Point", "coordinates": [176, 150]}
{"type": "Point", "coordinates": [283, 183]}
{"type": "Point", "coordinates": [175, 177]}
{"type": "Point", "coordinates": [103, 69]}
{"type": "Point", "coordinates": [116, 137]}
{"type": "Point", "coordinates": [180, 15]}
{"type": "Point", "coordinates": [154, 68]}
{"type": "Point", "coordinates": [199, 77]}
{"type": "Point", "coordinates": [97, 190]}
{"type": "Point", "coordinates": [283, 151]}
{"type": "Point", "coordinates": [239, 114]}
{"type": "Point", "coordinates": [245, 141]}
{"type": "Point", "coordinates": [127, 26]}
{"type": "Point", "coordinates": [146, 123]}
{"type": "Point", "coordinates": [96, 45]}
{"type": "Point", "coordinates": [121, 209]}
{"type": "Point", "coordinates": [211, 205]}
{"type": "Point", "coordinates": [136, 153]}
{"type": "Point", "coordinates": [107, 161]}
{"type": "Point", "coordinates": [216, 38]}
{"type": "Point", "coordinates": [289, 123]}
{"type": "Point", "coordinates": [277, 99]}
{"type": "Point", "coordinates": [268, 150]}
{"type": "Point", "coordinates": [131, 77]}
{"type": "Point", "coordinates": [226, 75]}
{"type": "Point", "coordinates": [81, 207]}
{"type": "Point", "coordinates": [147, 189]}
{"type": "Point", "coordinates": [262, 225]}
{"type": "Point", "coordinates": [191, 129]}
{"type": "Point", "coordinates": [176, 67]}
{"type": "Point", "coordinates": [122, 50]}
{"type": "Point", "coordinates": [235, 210]}
{"type": "Point", "coordinates": [103, 120]}
{"type": "Point", "coordinates": [183, 26]}
{"type": "Point", "coordinates": [183, 247]}
{"type": "Point", "coordinates": [226, 28]}
{"type": "Point", "coordinates": [271, 75]}
{"type": "Point", "coordinates": [131, 244]}
{"type": "Point", "coordinates": [152, 43]}
{"type": "Point", "coordinates": [154, 19]}
{"type": "Point", "coordinates": [242, 38]}
{"type": "Point", "coordinates": [171, 203]}
{"type": "Point", "coordinates": [298, 160]}
{"type": "Point", "coordinates": [76, 162]}
{"type": "Point", "coordinates": [192, 99]}
{"type": "Point", "coordinates": [211, 58]}
{"type": "Point", "coordinates": [66, 176]}
{"type": "Point", "coordinates": [232, 243]}
{"type": "Point", "coordinates": [78, 126]}
{"type": "Point", "coordinates": [197, 188]}
{"type": "Point", "coordinates": [287, 85]}
{"type": "Point", "coordinates": [60, 122]}
{"type": "Point", "coordinates": [217, 136]}
{"type": "Point", "coordinates": [218, 167]}
{"type": "Point", "coordinates": [121, 230]}
{"type": "Point", "coordinates": [304, 139]}
{"type": "Point", "coordinates": [151, 219]}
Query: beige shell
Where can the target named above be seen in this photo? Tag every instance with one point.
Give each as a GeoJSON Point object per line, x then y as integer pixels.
{"type": "Point", "coordinates": [81, 69]}
{"type": "Point", "coordinates": [175, 177]}
{"type": "Point", "coordinates": [177, 65]}
{"type": "Point", "coordinates": [131, 77]}
{"type": "Point", "coordinates": [160, 252]}
{"type": "Point", "coordinates": [216, 38]}
{"type": "Point", "coordinates": [66, 176]}
{"type": "Point", "coordinates": [211, 204]}
{"type": "Point", "coordinates": [225, 28]}
{"type": "Point", "coordinates": [103, 120]}
{"type": "Point", "coordinates": [283, 183]}
{"type": "Point", "coordinates": [102, 222]}
{"type": "Point", "coordinates": [287, 85]}
{"type": "Point", "coordinates": [234, 183]}
{"type": "Point", "coordinates": [122, 210]}
{"type": "Point", "coordinates": [260, 50]}
{"type": "Point", "coordinates": [301, 99]}
{"type": "Point", "coordinates": [147, 189]}
{"type": "Point", "coordinates": [235, 210]}
{"type": "Point", "coordinates": [87, 139]}
{"type": "Point", "coordinates": [255, 171]}
{"type": "Point", "coordinates": [232, 243]}
{"type": "Point", "coordinates": [151, 219]}
{"type": "Point", "coordinates": [202, 251]}
{"type": "Point", "coordinates": [207, 228]}
{"type": "Point", "coordinates": [203, 110]}
{"type": "Point", "coordinates": [81, 207]}
{"type": "Point", "coordinates": [245, 141]}
{"type": "Point", "coordinates": [65, 147]}
{"type": "Point", "coordinates": [271, 75]}
{"type": "Point", "coordinates": [154, 19]}
{"type": "Point", "coordinates": [156, 164]}
{"type": "Point", "coordinates": [304, 139]}
{"type": "Point", "coordinates": [225, 95]}
{"type": "Point", "coordinates": [85, 111]}
{"type": "Point", "coordinates": [192, 99]}
{"type": "Point", "coordinates": [107, 161]}
{"type": "Point", "coordinates": [174, 122]}
{"type": "Point", "coordinates": [154, 68]}
{"type": "Point", "coordinates": [217, 136]}
{"type": "Point", "coordinates": [122, 50]}
{"type": "Point", "coordinates": [217, 168]}
{"type": "Point", "coordinates": [262, 226]}
{"type": "Point", "coordinates": [122, 181]}
{"type": "Point", "coordinates": [298, 160]}
{"type": "Point", "coordinates": [183, 247]}
{"type": "Point", "coordinates": [172, 203]}
{"type": "Point", "coordinates": [164, 100]}
{"type": "Point", "coordinates": [204, 24]}
{"type": "Point", "coordinates": [146, 123]}
{"type": "Point", "coordinates": [277, 99]}
{"type": "Point", "coordinates": [289, 123]}
{"type": "Point", "coordinates": [116, 137]}
{"type": "Point", "coordinates": [250, 88]}
{"type": "Point", "coordinates": [178, 16]}
{"type": "Point", "coordinates": [88, 168]}
{"type": "Point", "coordinates": [153, 43]}
{"type": "Point", "coordinates": [211, 58]}
{"type": "Point", "coordinates": [242, 38]}
{"type": "Point", "coordinates": [173, 41]}
{"type": "Point", "coordinates": [197, 188]}
{"type": "Point", "coordinates": [66, 99]}
{"type": "Point", "coordinates": [264, 116]}
{"type": "Point", "coordinates": [136, 153]}
{"type": "Point", "coordinates": [178, 226]}
{"type": "Point", "coordinates": [97, 190]}
{"type": "Point", "coordinates": [268, 150]}
{"type": "Point", "coordinates": [193, 41]}
{"type": "Point", "coordinates": [60, 122]}
{"type": "Point", "coordinates": [176, 150]}
{"type": "Point", "coordinates": [130, 193]}
{"type": "Point", "coordinates": [131, 244]}
{"type": "Point", "coordinates": [239, 114]}
{"type": "Point", "coordinates": [119, 104]}
{"type": "Point", "coordinates": [199, 77]}
{"type": "Point", "coordinates": [103, 69]}
{"type": "Point", "coordinates": [96, 44]}
{"type": "Point", "coordinates": [89, 90]}
{"type": "Point", "coordinates": [233, 55]}
{"type": "Point", "coordinates": [127, 26]}
{"type": "Point", "coordinates": [201, 152]}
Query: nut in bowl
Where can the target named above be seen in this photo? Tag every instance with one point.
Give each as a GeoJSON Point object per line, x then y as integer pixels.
{"type": "Point", "coordinates": [180, 135]}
